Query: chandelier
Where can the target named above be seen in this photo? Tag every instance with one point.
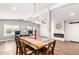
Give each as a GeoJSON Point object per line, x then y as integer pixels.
{"type": "Point", "coordinates": [34, 18]}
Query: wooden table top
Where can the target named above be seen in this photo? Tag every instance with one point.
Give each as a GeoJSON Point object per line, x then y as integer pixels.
{"type": "Point", "coordinates": [39, 42]}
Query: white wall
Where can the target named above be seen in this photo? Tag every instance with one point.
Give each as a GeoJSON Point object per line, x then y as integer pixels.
{"type": "Point", "coordinates": [53, 26]}
{"type": "Point", "coordinates": [44, 28]}
{"type": "Point", "coordinates": [22, 25]}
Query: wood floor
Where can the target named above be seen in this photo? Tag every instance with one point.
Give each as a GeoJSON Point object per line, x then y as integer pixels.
{"type": "Point", "coordinates": [62, 48]}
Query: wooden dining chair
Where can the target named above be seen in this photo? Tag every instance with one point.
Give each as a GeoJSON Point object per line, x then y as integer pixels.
{"type": "Point", "coordinates": [17, 35]}
{"type": "Point", "coordinates": [26, 49]}
{"type": "Point", "coordinates": [49, 49]}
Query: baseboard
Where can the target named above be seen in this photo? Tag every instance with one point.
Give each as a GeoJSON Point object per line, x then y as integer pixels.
{"type": "Point", "coordinates": [3, 40]}
{"type": "Point", "coordinates": [74, 41]}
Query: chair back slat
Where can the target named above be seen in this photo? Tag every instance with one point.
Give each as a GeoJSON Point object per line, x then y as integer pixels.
{"type": "Point", "coordinates": [51, 46]}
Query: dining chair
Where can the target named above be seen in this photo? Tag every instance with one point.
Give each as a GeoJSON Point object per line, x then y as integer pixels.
{"type": "Point", "coordinates": [17, 34]}
{"type": "Point", "coordinates": [26, 49]}
{"type": "Point", "coordinates": [49, 49]}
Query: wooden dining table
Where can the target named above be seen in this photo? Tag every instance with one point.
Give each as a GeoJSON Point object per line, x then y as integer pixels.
{"type": "Point", "coordinates": [37, 43]}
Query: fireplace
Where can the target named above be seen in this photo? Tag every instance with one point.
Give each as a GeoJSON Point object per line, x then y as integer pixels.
{"type": "Point", "coordinates": [59, 35]}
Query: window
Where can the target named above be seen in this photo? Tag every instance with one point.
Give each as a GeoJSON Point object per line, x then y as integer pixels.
{"type": "Point", "coordinates": [10, 29]}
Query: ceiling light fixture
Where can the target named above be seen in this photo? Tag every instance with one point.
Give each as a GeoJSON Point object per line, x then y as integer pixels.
{"type": "Point", "coordinates": [72, 14]}
{"type": "Point", "coordinates": [13, 8]}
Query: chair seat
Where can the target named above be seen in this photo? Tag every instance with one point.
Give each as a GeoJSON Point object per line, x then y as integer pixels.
{"type": "Point", "coordinates": [30, 53]}
{"type": "Point", "coordinates": [43, 50]}
{"type": "Point", "coordinates": [49, 49]}
{"type": "Point", "coordinates": [30, 48]}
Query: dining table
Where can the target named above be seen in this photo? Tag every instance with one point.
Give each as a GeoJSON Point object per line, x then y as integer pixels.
{"type": "Point", "coordinates": [37, 43]}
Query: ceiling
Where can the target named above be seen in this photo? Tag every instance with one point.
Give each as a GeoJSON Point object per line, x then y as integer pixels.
{"type": "Point", "coordinates": [64, 12]}
{"type": "Point", "coordinates": [22, 9]}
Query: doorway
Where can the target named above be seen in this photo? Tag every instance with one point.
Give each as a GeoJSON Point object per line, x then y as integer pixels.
{"type": "Point", "coordinates": [72, 30]}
